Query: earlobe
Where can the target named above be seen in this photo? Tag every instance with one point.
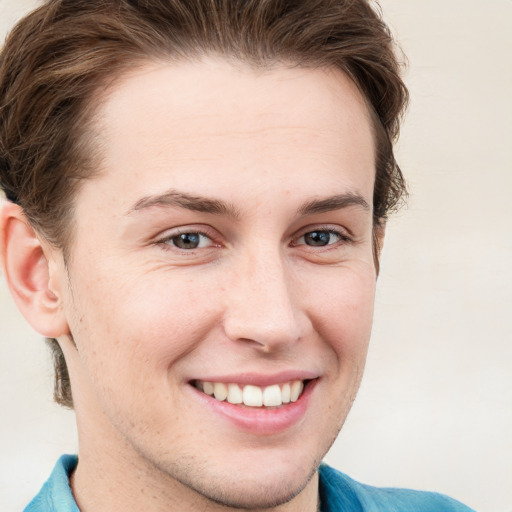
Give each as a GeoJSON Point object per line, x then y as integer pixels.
{"type": "Point", "coordinates": [27, 270]}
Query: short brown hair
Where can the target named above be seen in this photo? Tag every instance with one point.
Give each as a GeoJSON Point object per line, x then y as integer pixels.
{"type": "Point", "coordinates": [60, 55]}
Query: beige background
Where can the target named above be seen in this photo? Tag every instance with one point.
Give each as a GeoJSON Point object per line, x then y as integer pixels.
{"type": "Point", "coordinates": [435, 410]}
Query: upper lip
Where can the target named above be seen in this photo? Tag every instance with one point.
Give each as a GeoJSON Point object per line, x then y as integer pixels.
{"type": "Point", "coordinates": [259, 379]}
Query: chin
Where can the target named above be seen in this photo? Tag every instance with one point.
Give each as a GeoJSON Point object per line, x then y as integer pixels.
{"type": "Point", "coordinates": [245, 486]}
{"type": "Point", "coordinates": [251, 492]}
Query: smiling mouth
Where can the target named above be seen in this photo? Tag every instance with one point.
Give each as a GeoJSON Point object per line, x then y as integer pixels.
{"type": "Point", "coordinates": [253, 396]}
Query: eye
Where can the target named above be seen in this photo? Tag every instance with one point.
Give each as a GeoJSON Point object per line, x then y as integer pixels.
{"type": "Point", "coordinates": [188, 240]}
{"type": "Point", "coordinates": [320, 238]}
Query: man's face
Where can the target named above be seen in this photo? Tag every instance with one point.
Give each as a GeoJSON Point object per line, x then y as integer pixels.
{"type": "Point", "coordinates": [226, 243]}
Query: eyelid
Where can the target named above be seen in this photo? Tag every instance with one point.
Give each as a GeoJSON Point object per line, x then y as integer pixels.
{"type": "Point", "coordinates": [344, 234]}
{"type": "Point", "coordinates": [203, 230]}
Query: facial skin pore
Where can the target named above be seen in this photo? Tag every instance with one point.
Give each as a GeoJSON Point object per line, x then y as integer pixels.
{"type": "Point", "coordinates": [227, 239]}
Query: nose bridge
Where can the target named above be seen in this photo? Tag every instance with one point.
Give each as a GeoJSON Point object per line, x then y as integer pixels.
{"type": "Point", "coordinates": [261, 305]}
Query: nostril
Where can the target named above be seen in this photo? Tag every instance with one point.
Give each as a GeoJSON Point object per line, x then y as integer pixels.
{"type": "Point", "coordinates": [265, 346]}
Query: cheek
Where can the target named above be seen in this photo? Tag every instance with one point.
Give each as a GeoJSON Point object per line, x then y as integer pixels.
{"type": "Point", "coordinates": [342, 310]}
{"type": "Point", "coordinates": [145, 323]}
{"type": "Point", "coordinates": [168, 317]}
{"type": "Point", "coordinates": [129, 335]}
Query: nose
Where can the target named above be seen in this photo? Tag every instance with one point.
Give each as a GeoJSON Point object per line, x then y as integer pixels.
{"type": "Point", "coordinates": [262, 305]}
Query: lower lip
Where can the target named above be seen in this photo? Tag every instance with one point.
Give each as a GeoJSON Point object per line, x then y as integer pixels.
{"type": "Point", "coordinates": [261, 420]}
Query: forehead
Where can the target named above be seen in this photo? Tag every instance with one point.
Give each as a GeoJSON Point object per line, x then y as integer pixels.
{"type": "Point", "coordinates": [211, 124]}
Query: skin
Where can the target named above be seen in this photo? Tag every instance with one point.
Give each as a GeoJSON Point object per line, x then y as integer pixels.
{"type": "Point", "coordinates": [139, 318]}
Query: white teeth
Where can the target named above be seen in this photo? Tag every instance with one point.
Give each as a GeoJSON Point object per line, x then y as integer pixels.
{"type": "Point", "coordinates": [253, 396]}
{"type": "Point", "coordinates": [296, 390]}
{"type": "Point", "coordinates": [220, 391]}
{"type": "Point", "coordinates": [286, 393]}
{"type": "Point", "coordinates": [208, 388]}
{"type": "Point", "coordinates": [235, 394]}
{"type": "Point", "coordinates": [272, 396]}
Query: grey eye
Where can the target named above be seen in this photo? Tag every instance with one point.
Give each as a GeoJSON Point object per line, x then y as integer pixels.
{"type": "Point", "coordinates": [320, 238]}
{"type": "Point", "coordinates": [187, 240]}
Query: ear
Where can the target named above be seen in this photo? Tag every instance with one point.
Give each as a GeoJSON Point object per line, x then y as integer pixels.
{"type": "Point", "coordinates": [32, 274]}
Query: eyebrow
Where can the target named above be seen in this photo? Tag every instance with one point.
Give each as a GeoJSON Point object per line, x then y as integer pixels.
{"type": "Point", "coordinates": [333, 203]}
{"type": "Point", "coordinates": [173, 198]}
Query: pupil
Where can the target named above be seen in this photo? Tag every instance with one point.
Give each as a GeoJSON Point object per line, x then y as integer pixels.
{"type": "Point", "coordinates": [187, 241]}
{"type": "Point", "coordinates": [317, 238]}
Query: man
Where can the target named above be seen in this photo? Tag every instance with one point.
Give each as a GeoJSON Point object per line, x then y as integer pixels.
{"type": "Point", "coordinates": [197, 195]}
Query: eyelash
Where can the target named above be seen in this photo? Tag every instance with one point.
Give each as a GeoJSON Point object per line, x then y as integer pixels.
{"type": "Point", "coordinates": [168, 244]}
{"type": "Point", "coordinates": [343, 238]}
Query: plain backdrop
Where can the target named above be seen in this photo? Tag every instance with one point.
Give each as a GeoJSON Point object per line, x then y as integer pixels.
{"type": "Point", "coordinates": [435, 408]}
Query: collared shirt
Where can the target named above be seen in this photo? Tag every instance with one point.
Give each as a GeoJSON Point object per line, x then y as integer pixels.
{"type": "Point", "coordinates": [56, 495]}
{"type": "Point", "coordinates": [338, 493]}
